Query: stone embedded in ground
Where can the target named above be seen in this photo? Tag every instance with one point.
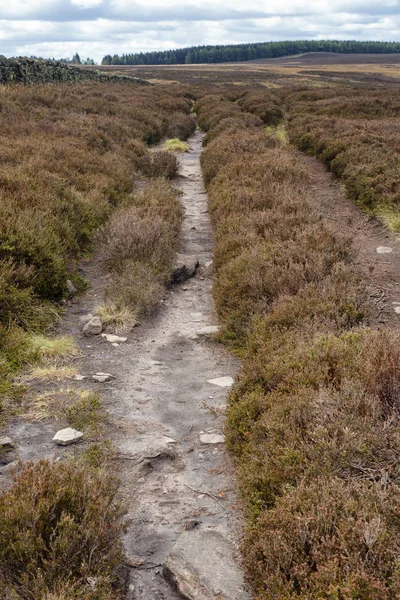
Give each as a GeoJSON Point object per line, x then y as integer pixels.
{"type": "Point", "coordinates": [169, 440]}
{"type": "Point", "coordinates": [209, 330]}
{"type": "Point", "coordinates": [222, 381]}
{"type": "Point", "coordinates": [208, 264]}
{"type": "Point", "coordinates": [191, 524]}
{"type": "Point", "coordinates": [185, 267]}
{"type": "Point", "coordinates": [114, 339]}
{"type": "Point", "coordinates": [6, 443]}
{"type": "Point", "coordinates": [397, 310]}
{"type": "Point", "coordinates": [103, 377]}
{"type": "Point", "coordinates": [159, 447]}
{"type": "Point", "coordinates": [80, 377]}
{"type": "Point", "coordinates": [197, 317]}
{"type": "Point", "coordinates": [212, 438]}
{"type": "Point", "coordinates": [201, 566]}
{"type": "Point", "coordinates": [93, 327]}
{"type": "Point", "coordinates": [384, 250]}
{"type": "Point", "coordinates": [67, 436]}
{"type": "Point", "coordinates": [86, 318]}
{"type": "Point", "coordinates": [70, 287]}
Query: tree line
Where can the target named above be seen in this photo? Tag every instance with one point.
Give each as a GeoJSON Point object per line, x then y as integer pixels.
{"type": "Point", "coordinates": [244, 52]}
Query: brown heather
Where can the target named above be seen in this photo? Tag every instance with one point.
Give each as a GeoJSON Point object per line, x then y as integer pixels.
{"type": "Point", "coordinates": [138, 246]}
{"type": "Point", "coordinates": [60, 527]}
{"type": "Point", "coordinates": [69, 155]}
{"type": "Point", "coordinates": [313, 420]}
{"type": "Point", "coordinates": [356, 134]}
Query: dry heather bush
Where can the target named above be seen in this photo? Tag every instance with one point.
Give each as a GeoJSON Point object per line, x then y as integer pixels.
{"type": "Point", "coordinates": [69, 155]}
{"type": "Point", "coordinates": [265, 106]}
{"type": "Point", "coordinates": [138, 246]}
{"type": "Point", "coordinates": [356, 136]}
{"type": "Point", "coordinates": [212, 109]}
{"type": "Point", "coordinates": [181, 127]}
{"type": "Point", "coordinates": [60, 526]}
{"type": "Point", "coordinates": [157, 164]}
{"type": "Point", "coordinates": [314, 418]}
{"type": "Point", "coordinates": [229, 147]}
{"type": "Point", "coordinates": [233, 125]}
{"type": "Point", "coordinates": [327, 540]}
{"type": "Point", "coordinates": [137, 287]}
{"type": "Point", "coordinates": [145, 230]}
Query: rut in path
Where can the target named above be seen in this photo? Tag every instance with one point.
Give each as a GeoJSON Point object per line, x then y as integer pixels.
{"type": "Point", "coordinates": [380, 271]}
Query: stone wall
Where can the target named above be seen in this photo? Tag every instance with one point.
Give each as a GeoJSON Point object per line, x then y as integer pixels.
{"type": "Point", "coordinates": [32, 70]}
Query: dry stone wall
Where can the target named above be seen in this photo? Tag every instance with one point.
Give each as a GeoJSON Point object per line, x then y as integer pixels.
{"type": "Point", "coordinates": [32, 70]}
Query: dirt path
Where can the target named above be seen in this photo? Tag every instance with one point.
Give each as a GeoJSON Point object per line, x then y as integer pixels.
{"type": "Point", "coordinates": [379, 269]}
{"type": "Point", "coordinates": [178, 488]}
{"type": "Point", "coordinates": [162, 392]}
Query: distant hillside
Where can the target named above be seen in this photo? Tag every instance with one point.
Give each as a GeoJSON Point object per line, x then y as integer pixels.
{"type": "Point", "coordinates": [244, 52]}
{"type": "Point", "coordinates": [32, 70]}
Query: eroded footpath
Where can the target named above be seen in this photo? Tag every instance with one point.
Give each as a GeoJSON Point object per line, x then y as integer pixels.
{"type": "Point", "coordinates": [166, 419]}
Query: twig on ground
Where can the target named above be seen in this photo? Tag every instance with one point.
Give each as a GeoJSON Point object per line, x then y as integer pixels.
{"type": "Point", "coordinates": [205, 494]}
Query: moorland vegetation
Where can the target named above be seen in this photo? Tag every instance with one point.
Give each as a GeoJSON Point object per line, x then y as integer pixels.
{"type": "Point", "coordinates": [76, 173]}
{"type": "Point", "coordinates": [313, 419]}
{"type": "Point", "coordinates": [356, 134]}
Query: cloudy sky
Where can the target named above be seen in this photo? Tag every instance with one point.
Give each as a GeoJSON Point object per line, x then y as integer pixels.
{"type": "Point", "coordinates": [59, 28]}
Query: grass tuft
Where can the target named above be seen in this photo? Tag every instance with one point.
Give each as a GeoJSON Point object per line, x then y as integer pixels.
{"type": "Point", "coordinates": [50, 373]}
{"type": "Point", "coordinates": [81, 409]}
{"type": "Point", "coordinates": [119, 316]}
{"type": "Point", "coordinates": [54, 349]}
{"type": "Point", "coordinates": [176, 145]}
{"type": "Point", "coordinates": [390, 217]}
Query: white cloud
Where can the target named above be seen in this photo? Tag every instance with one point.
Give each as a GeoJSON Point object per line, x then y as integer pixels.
{"type": "Point", "coordinates": [98, 27]}
{"type": "Point", "coordinates": [86, 3]}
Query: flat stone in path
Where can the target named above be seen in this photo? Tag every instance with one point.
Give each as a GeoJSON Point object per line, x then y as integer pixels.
{"type": "Point", "coordinates": [212, 438]}
{"type": "Point", "coordinates": [222, 381]}
{"type": "Point", "coordinates": [384, 250]}
{"type": "Point", "coordinates": [67, 436]}
{"type": "Point", "coordinates": [103, 377]}
{"type": "Point", "coordinates": [113, 339]}
{"type": "Point", "coordinates": [209, 330]}
{"type": "Point", "coordinates": [202, 567]}
{"type": "Point", "coordinates": [79, 377]}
